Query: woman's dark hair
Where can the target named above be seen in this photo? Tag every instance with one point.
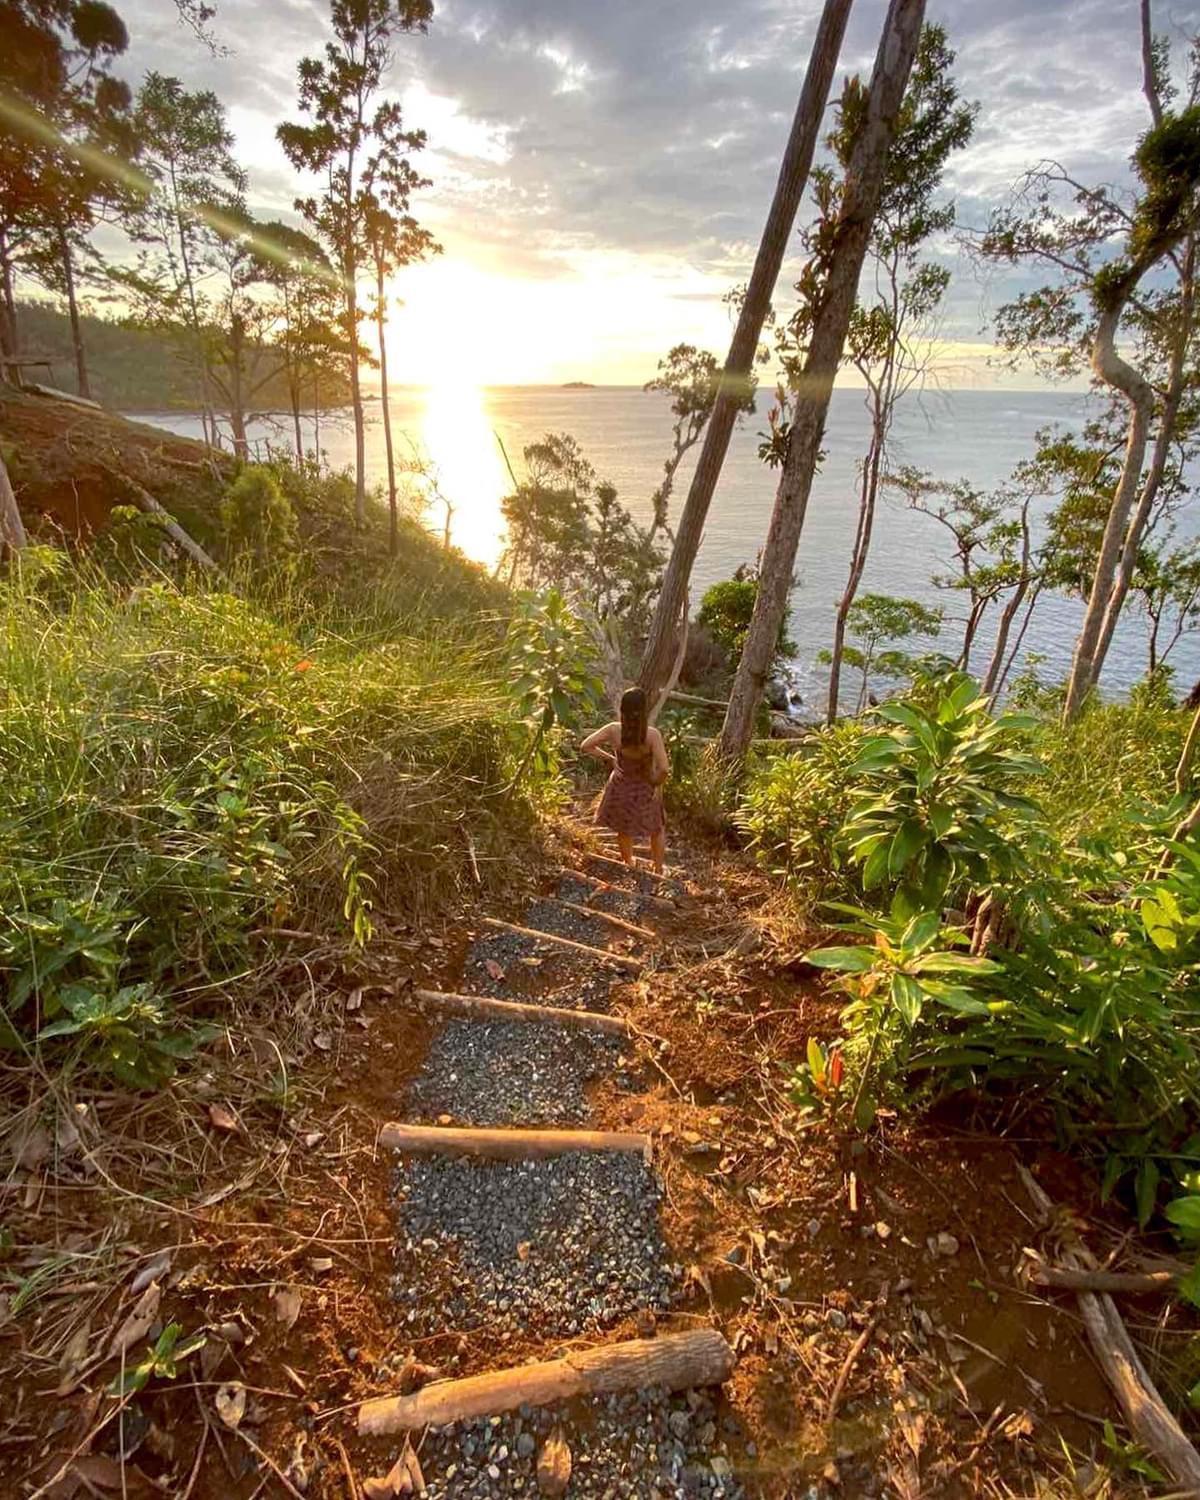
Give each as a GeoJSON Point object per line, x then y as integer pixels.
{"type": "Point", "coordinates": [633, 717]}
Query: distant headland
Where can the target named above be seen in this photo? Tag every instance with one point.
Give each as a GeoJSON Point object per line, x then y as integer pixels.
{"type": "Point", "coordinates": [578, 385]}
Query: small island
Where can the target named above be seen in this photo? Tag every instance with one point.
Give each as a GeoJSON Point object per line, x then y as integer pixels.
{"type": "Point", "coordinates": [578, 385]}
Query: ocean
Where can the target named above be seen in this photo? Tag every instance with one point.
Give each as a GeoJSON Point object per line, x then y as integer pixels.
{"type": "Point", "coordinates": [465, 438]}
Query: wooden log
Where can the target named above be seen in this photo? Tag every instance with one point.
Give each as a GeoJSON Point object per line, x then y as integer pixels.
{"type": "Point", "coordinates": [619, 864]}
{"type": "Point", "coordinates": [519, 1010]}
{"type": "Point", "coordinates": [506, 1145]}
{"type": "Point", "coordinates": [676, 696]}
{"type": "Point", "coordinates": [664, 903]}
{"type": "Point", "coordinates": [144, 500]}
{"type": "Point", "coordinates": [613, 921]}
{"type": "Point", "coordinates": [32, 388]}
{"type": "Point", "coordinates": [1149, 1420]}
{"type": "Point", "coordinates": [678, 1361]}
{"type": "Point", "coordinates": [1073, 1279]}
{"type": "Point", "coordinates": [602, 955]}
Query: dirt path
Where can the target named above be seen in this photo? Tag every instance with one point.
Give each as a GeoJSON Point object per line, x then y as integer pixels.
{"type": "Point", "coordinates": [883, 1345]}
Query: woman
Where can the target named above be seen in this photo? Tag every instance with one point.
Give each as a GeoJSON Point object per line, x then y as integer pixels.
{"type": "Point", "coordinates": [632, 802]}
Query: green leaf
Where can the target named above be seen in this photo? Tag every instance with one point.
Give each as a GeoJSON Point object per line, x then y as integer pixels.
{"type": "Point", "coordinates": [921, 930]}
{"type": "Point", "coordinates": [1184, 1213]}
{"type": "Point", "coordinates": [816, 1060]}
{"type": "Point", "coordinates": [1146, 1191]}
{"type": "Point", "coordinates": [1189, 1290]}
{"type": "Point", "coordinates": [909, 838]}
{"type": "Point", "coordinates": [954, 963]}
{"type": "Point", "coordinates": [876, 866]}
{"type": "Point", "coordinates": [908, 997]}
{"type": "Point", "coordinates": [848, 960]}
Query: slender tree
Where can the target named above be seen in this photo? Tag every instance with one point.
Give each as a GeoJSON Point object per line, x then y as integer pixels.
{"type": "Point", "coordinates": [888, 341]}
{"type": "Point", "coordinates": [828, 286]}
{"type": "Point", "coordinates": [187, 155]}
{"type": "Point", "coordinates": [351, 133]}
{"type": "Point", "coordinates": [660, 654]}
{"type": "Point", "coordinates": [1102, 309]}
{"type": "Point", "coordinates": [306, 287]}
{"type": "Point", "coordinates": [394, 239]}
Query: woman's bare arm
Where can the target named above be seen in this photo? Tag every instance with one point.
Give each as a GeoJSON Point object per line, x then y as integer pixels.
{"type": "Point", "coordinates": [662, 762]}
{"type": "Point", "coordinates": [597, 744]}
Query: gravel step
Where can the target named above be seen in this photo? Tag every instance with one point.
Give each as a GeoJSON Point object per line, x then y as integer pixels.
{"type": "Point", "coordinates": [510, 1073]}
{"type": "Point", "coordinates": [648, 1445]}
{"type": "Point", "coordinates": [558, 1245]}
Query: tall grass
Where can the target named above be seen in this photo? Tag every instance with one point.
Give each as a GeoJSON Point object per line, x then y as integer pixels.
{"type": "Point", "coordinates": [181, 768]}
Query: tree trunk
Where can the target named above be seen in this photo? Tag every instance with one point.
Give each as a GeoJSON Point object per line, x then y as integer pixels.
{"type": "Point", "coordinates": [991, 676]}
{"type": "Point", "coordinates": [294, 393]}
{"type": "Point", "coordinates": [793, 175]}
{"type": "Point", "coordinates": [864, 178]}
{"type": "Point", "coordinates": [393, 510]}
{"type": "Point", "coordinates": [1183, 770]}
{"type": "Point", "coordinates": [8, 313]}
{"type": "Point", "coordinates": [82, 385]}
{"type": "Point", "coordinates": [1114, 371]}
{"type": "Point", "coordinates": [317, 416]}
{"type": "Point", "coordinates": [360, 437]}
{"type": "Point", "coordinates": [12, 531]}
{"type": "Point", "coordinates": [1012, 655]}
{"type": "Point", "coordinates": [858, 562]}
{"type": "Point", "coordinates": [1158, 463]}
{"type": "Point", "coordinates": [237, 410]}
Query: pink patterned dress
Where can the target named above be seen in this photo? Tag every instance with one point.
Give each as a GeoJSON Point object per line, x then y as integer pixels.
{"type": "Point", "coordinates": [630, 804]}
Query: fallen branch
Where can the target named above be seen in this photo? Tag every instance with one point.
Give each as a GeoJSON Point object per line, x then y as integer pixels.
{"type": "Point", "coordinates": [856, 1348]}
{"type": "Point", "coordinates": [486, 1008]}
{"type": "Point", "coordinates": [676, 1361]}
{"type": "Point", "coordinates": [1149, 1420]}
{"type": "Point", "coordinates": [619, 864]}
{"type": "Point", "coordinates": [613, 921]}
{"type": "Point", "coordinates": [144, 500]}
{"type": "Point", "coordinates": [1074, 1279]}
{"type": "Point", "coordinates": [506, 1145]}
{"type": "Point", "coordinates": [664, 903]}
{"type": "Point", "coordinates": [618, 960]}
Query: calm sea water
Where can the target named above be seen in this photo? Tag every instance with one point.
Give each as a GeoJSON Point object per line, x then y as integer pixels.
{"type": "Point", "coordinates": [462, 438]}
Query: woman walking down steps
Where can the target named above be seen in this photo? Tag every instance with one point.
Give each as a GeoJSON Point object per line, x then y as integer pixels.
{"type": "Point", "coordinates": [632, 804]}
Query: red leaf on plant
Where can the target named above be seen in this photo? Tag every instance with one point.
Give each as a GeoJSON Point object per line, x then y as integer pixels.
{"type": "Point", "coordinates": [837, 1068]}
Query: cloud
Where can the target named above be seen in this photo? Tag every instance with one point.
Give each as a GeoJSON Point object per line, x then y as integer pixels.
{"type": "Point", "coordinates": [560, 127]}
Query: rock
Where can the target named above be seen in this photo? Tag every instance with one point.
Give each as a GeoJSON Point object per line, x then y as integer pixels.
{"type": "Point", "coordinates": [680, 1424]}
{"type": "Point", "coordinates": [836, 1318]}
{"type": "Point", "coordinates": [525, 1445]}
{"type": "Point", "coordinates": [554, 1465]}
{"type": "Point", "coordinates": [945, 1244]}
{"type": "Point", "coordinates": [776, 695]}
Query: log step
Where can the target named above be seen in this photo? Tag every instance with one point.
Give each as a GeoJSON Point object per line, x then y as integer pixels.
{"type": "Point", "coordinates": [619, 923]}
{"type": "Point", "coordinates": [506, 1145]}
{"type": "Point", "coordinates": [619, 864]}
{"type": "Point", "coordinates": [679, 1361]}
{"type": "Point", "coordinates": [601, 955]}
{"type": "Point", "coordinates": [486, 1008]}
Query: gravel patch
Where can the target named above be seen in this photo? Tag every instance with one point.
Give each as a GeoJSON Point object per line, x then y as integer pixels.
{"type": "Point", "coordinates": [617, 900]}
{"type": "Point", "coordinates": [562, 978]}
{"type": "Point", "coordinates": [510, 1073]}
{"type": "Point", "coordinates": [646, 1444]}
{"type": "Point", "coordinates": [558, 1246]}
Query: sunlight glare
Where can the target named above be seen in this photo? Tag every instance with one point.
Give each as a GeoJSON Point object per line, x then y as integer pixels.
{"type": "Point", "coordinates": [466, 468]}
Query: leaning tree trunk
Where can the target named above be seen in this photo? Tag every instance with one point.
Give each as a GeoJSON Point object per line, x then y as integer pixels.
{"type": "Point", "coordinates": [1121, 376]}
{"type": "Point", "coordinates": [393, 508]}
{"type": "Point", "coordinates": [82, 385]}
{"type": "Point", "coordinates": [1164, 437]}
{"type": "Point", "coordinates": [12, 530]}
{"type": "Point", "coordinates": [864, 180]}
{"type": "Point", "coordinates": [360, 437]}
{"type": "Point", "coordinates": [659, 654]}
{"type": "Point", "coordinates": [294, 394]}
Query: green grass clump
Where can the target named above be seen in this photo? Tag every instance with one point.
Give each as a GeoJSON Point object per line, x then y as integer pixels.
{"type": "Point", "coordinates": [183, 766]}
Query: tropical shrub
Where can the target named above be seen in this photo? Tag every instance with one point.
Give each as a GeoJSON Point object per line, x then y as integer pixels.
{"type": "Point", "coordinates": [939, 803]}
{"type": "Point", "coordinates": [795, 804]}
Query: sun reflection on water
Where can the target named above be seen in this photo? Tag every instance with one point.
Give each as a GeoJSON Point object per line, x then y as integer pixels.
{"type": "Point", "coordinates": [466, 469]}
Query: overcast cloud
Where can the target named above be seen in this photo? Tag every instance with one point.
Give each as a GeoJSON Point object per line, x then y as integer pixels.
{"type": "Point", "coordinates": [650, 131]}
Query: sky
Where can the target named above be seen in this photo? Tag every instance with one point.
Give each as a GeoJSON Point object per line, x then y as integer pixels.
{"type": "Point", "coordinates": [601, 169]}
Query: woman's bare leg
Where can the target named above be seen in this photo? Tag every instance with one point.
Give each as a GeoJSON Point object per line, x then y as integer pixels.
{"type": "Point", "coordinates": [625, 844]}
{"type": "Point", "coordinates": [658, 849]}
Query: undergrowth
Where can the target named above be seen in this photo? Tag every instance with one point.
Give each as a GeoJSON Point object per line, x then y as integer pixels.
{"type": "Point", "coordinates": [187, 767]}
